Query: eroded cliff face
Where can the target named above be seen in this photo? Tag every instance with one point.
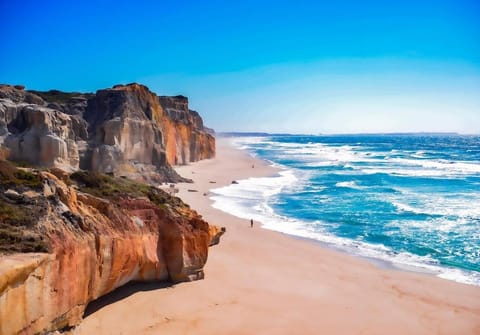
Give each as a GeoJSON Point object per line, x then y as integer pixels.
{"type": "Point", "coordinates": [63, 246]}
{"type": "Point", "coordinates": [34, 133]}
{"type": "Point", "coordinates": [126, 131]}
{"type": "Point", "coordinates": [187, 140]}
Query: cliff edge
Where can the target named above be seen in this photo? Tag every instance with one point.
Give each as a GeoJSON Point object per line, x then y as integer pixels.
{"type": "Point", "coordinates": [66, 240]}
{"type": "Point", "coordinates": [84, 223]}
{"type": "Point", "coordinates": [125, 131]}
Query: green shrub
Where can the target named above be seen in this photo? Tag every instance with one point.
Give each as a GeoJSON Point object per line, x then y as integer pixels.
{"type": "Point", "coordinates": [59, 96]}
{"type": "Point", "coordinates": [11, 176]}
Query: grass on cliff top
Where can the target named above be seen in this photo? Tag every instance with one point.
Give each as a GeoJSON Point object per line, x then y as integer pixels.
{"type": "Point", "coordinates": [59, 96]}
{"type": "Point", "coordinates": [18, 218]}
{"type": "Point", "coordinates": [105, 186]}
{"type": "Point", "coordinates": [18, 239]}
{"type": "Point", "coordinates": [11, 176]}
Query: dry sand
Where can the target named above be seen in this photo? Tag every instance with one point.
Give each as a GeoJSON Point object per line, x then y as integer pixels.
{"type": "Point", "coordinates": [262, 282]}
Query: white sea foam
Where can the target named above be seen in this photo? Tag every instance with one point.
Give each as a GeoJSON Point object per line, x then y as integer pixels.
{"type": "Point", "coordinates": [239, 199]}
{"type": "Point", "coordinates": [252, 198]}
{"type": "Point", "coordinates": [440, 226]}
{"type": "Point", "coordinates": [348, 184]}
{"type": "Point", "coordinates": [322, 164]}
{"type": "Point", "coordinates": [249, 199]}
{"type": "Point", "coordinates": [419, 154]}
{"type": "Point", "coordinates": [322, 155]}
{"type": "Point", "coordinates": [447, 167]}
{"type": "Point", "coordinates": [410, 172]}
{"type": "Point", "coordinates": [317, 154]}
{"type": "Point", "coordinates": [465, 205]}
{"type": "Point", "coordinates": [460, 276]}
{"type": "Point", "coordinates": [406, 208]}
{"type": "Point", "coordinates": [423, 168]}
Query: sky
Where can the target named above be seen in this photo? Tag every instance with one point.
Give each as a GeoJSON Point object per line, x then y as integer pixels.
{"type": "Point", "coordinates": [276, 66]}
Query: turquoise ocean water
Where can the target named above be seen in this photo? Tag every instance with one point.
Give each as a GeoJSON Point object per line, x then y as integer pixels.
{"type": "Point", "coordinates": [409, 200]}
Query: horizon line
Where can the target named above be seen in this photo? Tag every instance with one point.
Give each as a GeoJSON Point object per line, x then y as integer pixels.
{"type": "Point", "coordinates": [261, 133]}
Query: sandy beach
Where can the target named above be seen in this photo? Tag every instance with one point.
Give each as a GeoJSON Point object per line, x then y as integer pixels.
{"type": "Point", "coordinates": [263, 282]}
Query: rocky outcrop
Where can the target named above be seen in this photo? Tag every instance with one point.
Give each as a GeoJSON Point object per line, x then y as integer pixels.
{"type": "Point", "coordinates": [85, 240]}
{"type": "Point", "coordinates": [44, 137]}
{"type": "Point", "coordinates": [126, 131]}
{"type": "Point", "coordinates": [35, 134]}
{"type": "Point", "coordinates": [187, 140]}
{"type": "Point", "coordinates": [215, 234]}
{"type": "Point", "coordinates": [67, 239]}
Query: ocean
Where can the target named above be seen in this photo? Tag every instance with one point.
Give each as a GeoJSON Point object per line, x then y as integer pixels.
{"type": "Point", "coordinates": [407, 201]}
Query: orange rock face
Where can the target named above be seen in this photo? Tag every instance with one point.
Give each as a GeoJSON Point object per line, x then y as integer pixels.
{"type": "Point", "coordinates": [132, 128]}
{"type": "Point", "coordinates": [185, 137]}
{"type": "Point", "coordinates": [126, 130]}
{"type": "Point", "coordinates": [97, 245]}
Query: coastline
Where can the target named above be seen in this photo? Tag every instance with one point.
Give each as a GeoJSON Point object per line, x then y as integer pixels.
{"type": "Point", "coordinates": [261, 281]}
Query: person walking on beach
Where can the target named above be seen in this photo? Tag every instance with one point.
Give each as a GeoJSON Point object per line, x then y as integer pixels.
{"type": "Point", "coordinates": [251, 223]}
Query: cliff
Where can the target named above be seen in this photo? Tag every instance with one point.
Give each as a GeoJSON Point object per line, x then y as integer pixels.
{"type": "Point", "coordinates": [67, 240]}
{"type": "Point", "coordinates": [187, 140]}
{"type": "Point", "coordinates": [126, 131]}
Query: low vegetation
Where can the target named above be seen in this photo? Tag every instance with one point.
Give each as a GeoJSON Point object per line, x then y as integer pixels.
{"type": "Point", "coordinates": [17, 216]}
{"type": "Point", "coordinates": [11, 176]}
{"type": "Point", "coordinates": [59, 96]}
{"type": "Point", "coordinates": [20, 214]}
{"type": "Point", "coordinates": [105, 186]}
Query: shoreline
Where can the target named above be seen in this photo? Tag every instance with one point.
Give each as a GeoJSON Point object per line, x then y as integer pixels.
{"type": "Point", "coordinates": [383, 263]}
{"type": "Point", "coordinates": [263, 281]}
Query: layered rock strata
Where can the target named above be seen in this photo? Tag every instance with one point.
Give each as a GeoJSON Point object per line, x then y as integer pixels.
{"type": "Point", "coordinates": [65, 241]}
{"type": "Point", "coordinates": [126, 131]}
{"type": "Point", "coordinates": [187, 140]}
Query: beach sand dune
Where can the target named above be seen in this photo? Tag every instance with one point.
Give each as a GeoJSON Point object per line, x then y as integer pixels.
{"type": "Point", "coordinates": [262, 282]}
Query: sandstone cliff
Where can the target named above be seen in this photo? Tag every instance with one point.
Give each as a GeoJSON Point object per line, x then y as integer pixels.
{"type": "Point", "coordinates": [67, 240]}
{"type": "Point", "coordinates": [126, 131]}
{"type": "Point", "coordinates": [187, 140]}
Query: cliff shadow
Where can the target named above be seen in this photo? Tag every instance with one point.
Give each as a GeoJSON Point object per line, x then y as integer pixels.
{"type": "Point", "coordinates": [123, 292]}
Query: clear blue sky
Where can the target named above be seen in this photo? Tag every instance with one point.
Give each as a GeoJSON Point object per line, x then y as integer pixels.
{"type": "Point", "coordinates": [297, 66]}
